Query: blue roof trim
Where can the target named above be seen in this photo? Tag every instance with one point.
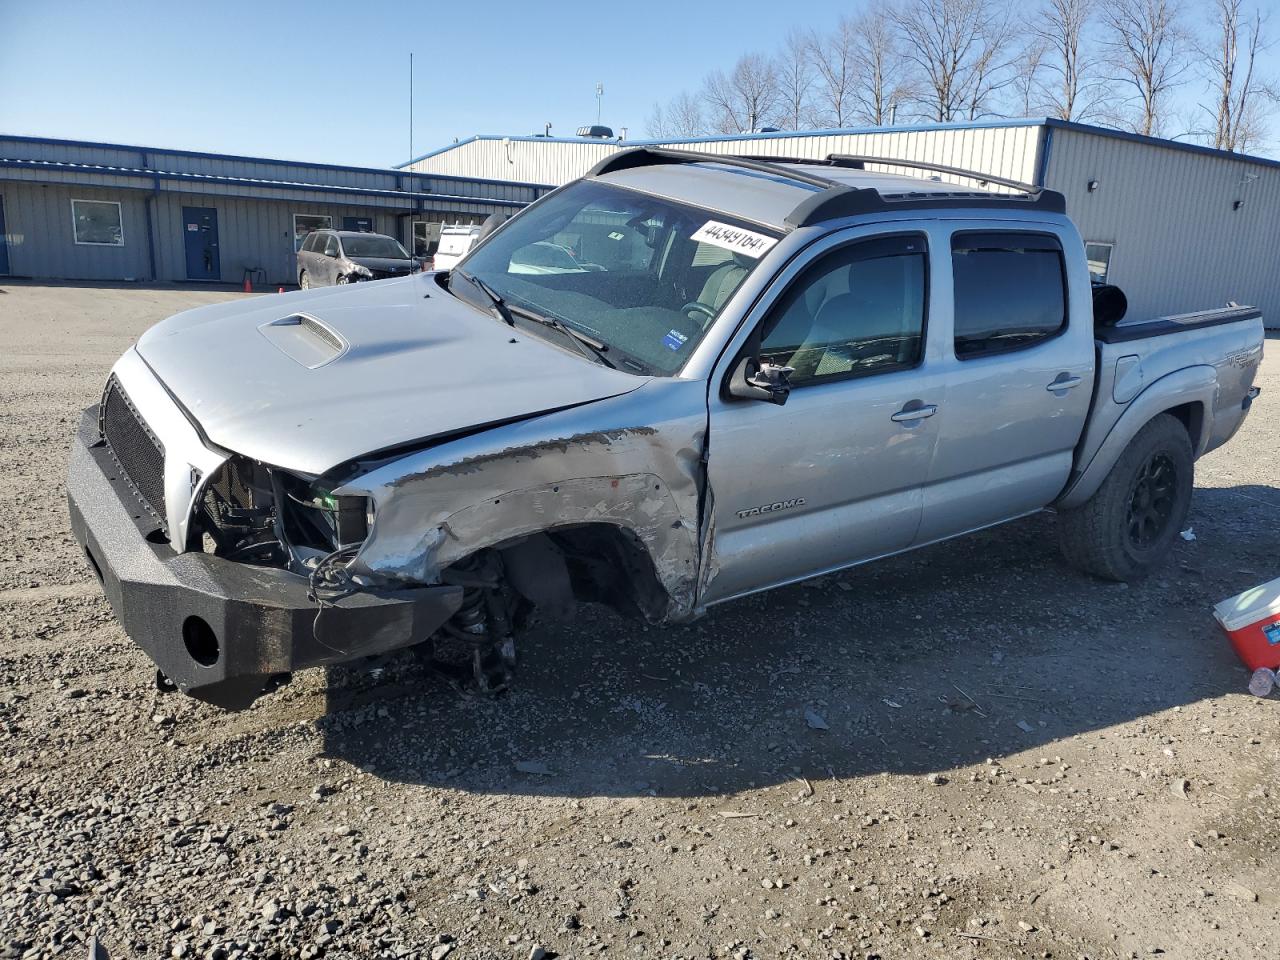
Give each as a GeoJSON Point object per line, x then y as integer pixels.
{"type": "Point", "coordinates": [157, 175]}
{"type": "Point", "coordinates": [1158, 142]}
{"type": "Point", "coordinates": [453, 146]}
{"type": "Point", "coordinates": [1051, 122]}
{"type": "Point", "coordinates": [654, 142]}
{"type": "Point", "coordinates": [382, 171]}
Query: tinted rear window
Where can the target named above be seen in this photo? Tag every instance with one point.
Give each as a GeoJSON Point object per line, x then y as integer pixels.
{"type": "Point", "coordinates": [1010, 292]}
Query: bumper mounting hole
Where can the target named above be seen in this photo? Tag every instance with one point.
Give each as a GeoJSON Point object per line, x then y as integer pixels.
{"type": "Point", "coordinates": [200, 640]}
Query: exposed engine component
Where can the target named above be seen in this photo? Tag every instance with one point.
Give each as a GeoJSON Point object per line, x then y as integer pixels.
{"type": "Point", "coordinates": [479, 638]}
{"type": "Point", "coordinates": [236, 514]}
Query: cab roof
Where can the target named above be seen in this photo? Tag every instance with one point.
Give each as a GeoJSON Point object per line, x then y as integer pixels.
{"type": "Point", "coordinates": [786, 193]}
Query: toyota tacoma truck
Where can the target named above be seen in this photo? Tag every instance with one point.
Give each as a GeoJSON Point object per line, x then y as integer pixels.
{"type": "Point", "coordinates": [733, 373]}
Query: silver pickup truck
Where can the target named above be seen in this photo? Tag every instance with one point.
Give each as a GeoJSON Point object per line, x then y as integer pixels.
{"type": "Point", "coordinates": [679, 380]}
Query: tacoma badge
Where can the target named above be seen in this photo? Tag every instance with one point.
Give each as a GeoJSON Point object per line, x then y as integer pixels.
{"type": "Point", "coordinates": [771, 507]}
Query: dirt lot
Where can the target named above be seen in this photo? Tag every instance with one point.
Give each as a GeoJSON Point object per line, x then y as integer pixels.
{"type": "Point", "coordinates": [1019, 761]}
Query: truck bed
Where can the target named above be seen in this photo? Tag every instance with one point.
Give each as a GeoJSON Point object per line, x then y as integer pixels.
{"type": "Point", "coordinates": [1177, 323]}
{"type": "Point", "coordinates": [1200, 366]}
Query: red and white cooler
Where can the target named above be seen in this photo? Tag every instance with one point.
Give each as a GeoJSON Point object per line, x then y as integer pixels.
{"type": "Point", "coordinates": [1252, 622]}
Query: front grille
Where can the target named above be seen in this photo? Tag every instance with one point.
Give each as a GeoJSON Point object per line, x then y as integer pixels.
{"type": "Point", "coordinates": [388, 274]}
{"type": "Point", "coordinates": [135, 449]}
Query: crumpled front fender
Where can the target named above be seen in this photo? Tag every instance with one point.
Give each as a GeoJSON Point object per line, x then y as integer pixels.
{"type": "Point", "coordinates": [439, 506]}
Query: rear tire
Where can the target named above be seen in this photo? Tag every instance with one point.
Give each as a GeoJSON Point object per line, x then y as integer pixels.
{"type": "Point", "coordinates": [304, 280]}
{"type": "Point", "coordinates": [1129, 524]}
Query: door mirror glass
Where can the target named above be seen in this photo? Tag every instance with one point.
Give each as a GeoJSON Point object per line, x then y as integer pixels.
{"type": "Point", "coordinates": [753, 380]}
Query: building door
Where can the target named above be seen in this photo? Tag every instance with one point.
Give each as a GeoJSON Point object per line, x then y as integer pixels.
{"type": "Point", "coordinates": [358, 224]}
{"type": "Point", "coordinates": [4, 243]}
{"type": "Point", "coordinates": [200, 228]}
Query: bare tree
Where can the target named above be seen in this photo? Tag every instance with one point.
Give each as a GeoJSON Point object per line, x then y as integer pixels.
{"type": "Point", "coordinates": [1149, 50]}
{"type": "Point", "coordinates": [684, 113]}
{"type": "Point", "coordinates": [958, 49]}
{"type": "Point", "coordinates": [1026, 84]}
{"type": "Point", "coordinates": [795, 82]}
{"type": "Point", "coordinates": [834, 60]}
{"type": "Point", "coordinates": [680, 117]}
{"type": "Point", "coordinates": [1241, 98]}
{"type": "Point", "coordinates": [745, 98]}
{"type": "Point", "coordinates": [656, 124]}
{"type": "Point", "coordinates": [997, 55]}
{"type": "Point", "coordinates": [1070, 93]}
{"type": "Point", "coordinates": [879, 80]}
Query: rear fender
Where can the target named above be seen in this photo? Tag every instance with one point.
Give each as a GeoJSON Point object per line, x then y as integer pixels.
{"type": "Point", "coordinates": [1191, 385]}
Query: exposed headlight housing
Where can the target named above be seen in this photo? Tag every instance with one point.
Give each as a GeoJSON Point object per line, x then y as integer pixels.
{"type": "Point", "coordinates": [350, 518]}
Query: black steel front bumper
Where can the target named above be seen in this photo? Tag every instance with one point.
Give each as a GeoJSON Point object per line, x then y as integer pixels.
{"type": "Point", "coordinates": [224, 631]}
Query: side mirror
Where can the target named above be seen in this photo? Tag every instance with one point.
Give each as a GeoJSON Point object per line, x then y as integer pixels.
{"type": "Point", "coordinates": [752, 380]}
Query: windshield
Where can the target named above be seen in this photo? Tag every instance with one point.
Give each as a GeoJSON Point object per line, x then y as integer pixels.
{"type": "Point", "coordinates": [643, 276]}
{"type": "Point", "coordinates": [373, 246]}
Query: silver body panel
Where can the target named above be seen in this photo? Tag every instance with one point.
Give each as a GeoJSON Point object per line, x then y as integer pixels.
{"type": "Point", "coordinates": [413, 363]}
{"type": "Point", "coordinates": [521, 437]}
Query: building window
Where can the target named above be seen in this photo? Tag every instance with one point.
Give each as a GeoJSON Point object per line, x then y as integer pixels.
{"type": "Point", "coordinates": [1010, 292]}
{"type": "Point", "coordinates": [304, 224]}
{"type": "Point", "coordinates": [1099, 257]}
{"type": "Point", "coordinates": [97, 223]}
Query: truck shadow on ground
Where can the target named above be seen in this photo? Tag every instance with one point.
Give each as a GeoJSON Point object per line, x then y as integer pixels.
{"type": "Point", "coordinates": [983, 646]}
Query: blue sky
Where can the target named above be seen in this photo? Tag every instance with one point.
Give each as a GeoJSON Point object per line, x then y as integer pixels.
{"type": "Point", "coordinates": [328, 81]}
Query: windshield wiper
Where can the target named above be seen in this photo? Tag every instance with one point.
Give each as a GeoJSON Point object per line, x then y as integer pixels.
{"type": "Point", "coordinates": [498, 303]}
{"type": "Point", "coordinates": [581, 341]}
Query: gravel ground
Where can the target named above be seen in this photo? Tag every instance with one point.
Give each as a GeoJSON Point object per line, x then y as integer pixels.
{"type": "Point", "coordinates": [969, 751]}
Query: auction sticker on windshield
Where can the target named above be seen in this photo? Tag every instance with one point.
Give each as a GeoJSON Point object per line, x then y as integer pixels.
{"type": "Point", "coordinates": [753, 245]}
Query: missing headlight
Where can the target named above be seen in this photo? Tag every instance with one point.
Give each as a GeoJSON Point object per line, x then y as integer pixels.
{"type": "Point", "coordinates": [317, 518]}
{"type": "Point", "coordinates": [235, 515]}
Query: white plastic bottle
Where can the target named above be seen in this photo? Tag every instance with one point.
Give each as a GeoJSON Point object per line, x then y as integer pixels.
{"type": "Point", "coordinates": [1262, 682]}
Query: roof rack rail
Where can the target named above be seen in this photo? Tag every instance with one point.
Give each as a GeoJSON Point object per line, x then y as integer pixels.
{"type": "Point", "coordinates": [835, 199]}
{"type": "Point", "coordinates": [655, 156]}
{"type": "Point", "coordinates": [852, 161]}
{"type": "Point", "coordinates": [846, 201]}
{"type": "Point", "coordinates": [859, 162]}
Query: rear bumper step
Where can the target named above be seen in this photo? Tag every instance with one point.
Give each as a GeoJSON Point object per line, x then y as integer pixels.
{"type": "Point", "coordinates": [221, 630]}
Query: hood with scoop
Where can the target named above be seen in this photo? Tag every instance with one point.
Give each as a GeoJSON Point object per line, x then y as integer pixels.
{"type": "Point", "coordinates": [310, 380]}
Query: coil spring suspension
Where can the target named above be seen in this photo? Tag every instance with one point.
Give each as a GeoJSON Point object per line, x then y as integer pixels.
{"type": "Point", "coordinates": [482, 624]}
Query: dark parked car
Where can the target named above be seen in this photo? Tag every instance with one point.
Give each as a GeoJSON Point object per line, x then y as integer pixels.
{"type": "Point", "coordinates": [340, 256]}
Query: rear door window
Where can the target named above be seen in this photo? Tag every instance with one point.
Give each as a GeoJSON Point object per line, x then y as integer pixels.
{"type": "Point", "coordinates": [1010, 291]}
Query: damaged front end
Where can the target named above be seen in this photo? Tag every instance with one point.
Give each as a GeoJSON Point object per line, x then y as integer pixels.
{"type": "Point", "coordinates": [232, 573]}
{"type": "Point", "coordinates": [252, 513]}
{"type": "Point", "coordinates": [259, 591]}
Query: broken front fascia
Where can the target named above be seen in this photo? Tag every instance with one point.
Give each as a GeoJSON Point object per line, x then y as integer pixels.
{"type": "Point", "coordinates": [438, 506]}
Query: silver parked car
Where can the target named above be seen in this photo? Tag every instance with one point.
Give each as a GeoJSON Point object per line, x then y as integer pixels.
{"type": "Point", "coordinates": [329, 257]}
{"type": "Point", "coordinates": [726, 375]}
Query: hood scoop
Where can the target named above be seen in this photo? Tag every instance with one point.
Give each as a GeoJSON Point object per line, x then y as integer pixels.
{"type": "Point", "coordinates": [305, 340]}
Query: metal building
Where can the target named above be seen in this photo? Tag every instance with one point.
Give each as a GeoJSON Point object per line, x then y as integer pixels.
{"type": "Point", "coordinates": [1177, 226]}
{"type": "Point", "coordinates": [98, 211]}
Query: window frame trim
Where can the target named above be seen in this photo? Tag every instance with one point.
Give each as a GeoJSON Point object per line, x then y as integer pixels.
{"type": "Point", "coordinates": [75, 237]}
{"type": "Point", "coordinates": [1056, 241]}
{"type": "Point", "coordinates": [1111, 249]}
{"type": "Point", "coordinates": [755, 340]}
{"type": "Point", "coordinates": [294, 221]}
